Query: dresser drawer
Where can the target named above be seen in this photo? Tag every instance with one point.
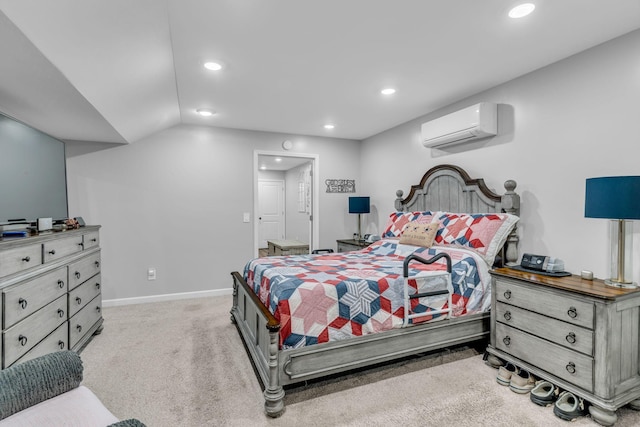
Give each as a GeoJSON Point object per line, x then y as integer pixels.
{"type": "Point", "coordinates": [562, 307]}
{"type": "Point", "coordinates": [91, 240]}
{"type": "Point", "coordinates": [566, 364]}
{"type": "Point", "coordinates": [24, 335]}
{"type": "Point", "coordinates": [56, 249]}
{"type": "Point", "coordinates": [20, 258]}
{"type": "Point", "coordinates": [562, 333]}
{"type": "Point", "coordinates": [81, 295]}
{"type": "Point", "coordinates": [25, 298]}
{"type": "Point", "coordinates": [83, 269]}
{"type": "Point", "coordinates": [83, 320]}
{"type": "Point", "coordinates": [56, 341]}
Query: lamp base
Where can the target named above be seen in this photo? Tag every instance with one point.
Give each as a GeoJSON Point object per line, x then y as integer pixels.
{"type": "Point", "coordinates": [616, 284]}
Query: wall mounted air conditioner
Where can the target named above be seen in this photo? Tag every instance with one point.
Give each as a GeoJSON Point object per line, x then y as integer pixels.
{"type": "Point", "coordinates": [474, 122]}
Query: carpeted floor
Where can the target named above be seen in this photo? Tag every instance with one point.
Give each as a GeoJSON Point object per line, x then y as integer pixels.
{"type": "Point", "coordinates": [182, 363]}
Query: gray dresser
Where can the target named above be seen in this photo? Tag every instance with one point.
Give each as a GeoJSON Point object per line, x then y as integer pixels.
{"type": "Point", "coordinates": [51, 293]}
{"type": "Point", "coordinates": [581, 335]}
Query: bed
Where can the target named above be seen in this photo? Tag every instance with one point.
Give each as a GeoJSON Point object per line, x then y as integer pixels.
{"type": "Point", "coordinates": [396, 298]}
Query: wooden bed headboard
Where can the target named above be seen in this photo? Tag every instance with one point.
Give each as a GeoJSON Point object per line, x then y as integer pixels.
{"type": "Point", "coordinates": [449, 188]}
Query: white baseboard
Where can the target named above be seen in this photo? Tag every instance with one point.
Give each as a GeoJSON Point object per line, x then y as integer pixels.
{"type": "Point", "coordinates": [166, 297]}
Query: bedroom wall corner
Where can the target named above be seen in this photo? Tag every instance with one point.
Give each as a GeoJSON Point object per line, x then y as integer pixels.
{"type": "Point", "coordinates": [175, 201]}
{"type": "Point", "coordinates": [566, 122]}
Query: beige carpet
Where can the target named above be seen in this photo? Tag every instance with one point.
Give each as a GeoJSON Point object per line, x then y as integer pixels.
{"type": "Point", "coordinates": [182, 363]}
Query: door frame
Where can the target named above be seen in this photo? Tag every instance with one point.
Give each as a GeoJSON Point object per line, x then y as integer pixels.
{"type": "Point", "coordinates": [315, 167]}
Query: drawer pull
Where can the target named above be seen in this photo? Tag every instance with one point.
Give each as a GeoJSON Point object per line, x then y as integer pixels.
{"type": "Point", "coordinates": [60, 313]}
{"type": "Point", "coordinates": [572, 312]}
{"type": "Point", "coordinates": [23, 303]}
{"type": "Point", "coordinates": [507, 315]}
{"type": "Point", "coordinates": [97, 285]}
{"type": "Point", "coordinates": [26, 259]}
{"type": "Point", "coordinates": [78, 300]}
{"type": "Point", "coordinates": [79, 328]}
{"type": "Point", "coordinates": [507, 294]}
{"type": "Point", "coordinates": [98, 309]}
{"type": "Point", "coordinates": [78, 274]}
{"type": "Point", "coordinates": [94, 240]}
{"type": "Point", "coordinates": [506, 340]}
{"type": "Point", "coordinates": [571, 368]}
{"type": "Point", "coordinates": [571, 338]}
{"type": "Point", "coordinates": [97, 263]}
{"type": "Point", "coordinates": [22, 340]}
{"type": "Point", "coordinates": [61, 284]}
{"type": "Point", "coordinates": [61, 345]}
{"type": "Point", "coordinates": [81, 245]}
{"type": "Point", "coordinates": [52, 252]}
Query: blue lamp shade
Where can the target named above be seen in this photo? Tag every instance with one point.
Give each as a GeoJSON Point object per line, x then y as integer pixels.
{"type": "Point", "coordinates": [613, 197]}
{"type": "Point", "coordinates": [359, 205]}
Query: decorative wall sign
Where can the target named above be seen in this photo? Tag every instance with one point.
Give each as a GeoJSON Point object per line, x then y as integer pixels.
{"type": "Point", "coordinates": [341, 185]}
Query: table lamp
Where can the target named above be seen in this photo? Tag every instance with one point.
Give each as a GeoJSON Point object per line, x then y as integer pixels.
{"type": "Point", "coordinates": [616, 198]}
{"type": "Point", "coordinates": [359, 205]}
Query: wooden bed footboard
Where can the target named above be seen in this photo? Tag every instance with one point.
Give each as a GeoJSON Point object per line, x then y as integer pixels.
{"type": "Point", "coordinates": [277, 368]}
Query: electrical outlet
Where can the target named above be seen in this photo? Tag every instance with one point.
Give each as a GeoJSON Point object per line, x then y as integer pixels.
{"type": "Point", "coordinates": [151, 273]}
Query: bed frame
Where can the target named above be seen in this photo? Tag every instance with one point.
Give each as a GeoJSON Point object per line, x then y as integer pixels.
{"type": "Point", "coordinates": [444, 187]}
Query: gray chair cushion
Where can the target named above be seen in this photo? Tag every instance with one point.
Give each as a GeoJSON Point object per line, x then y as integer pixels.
{"type": "Point", "coordinates": [34, 381]}
{"type": "Point", "coordinates": [131, 422]}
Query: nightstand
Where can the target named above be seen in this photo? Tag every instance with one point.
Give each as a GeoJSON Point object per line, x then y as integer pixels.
{"type": "Point", "coordinates": [580, 335]}
{"type": "Point", "coordinates": [347, 245]}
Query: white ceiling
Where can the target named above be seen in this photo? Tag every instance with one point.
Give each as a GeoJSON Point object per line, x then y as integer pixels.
{"type": "Point", "coordinates": [120, 70]}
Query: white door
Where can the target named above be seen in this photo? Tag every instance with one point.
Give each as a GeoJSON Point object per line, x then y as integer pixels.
{"type": "Point", "coordinates": [270, 211]}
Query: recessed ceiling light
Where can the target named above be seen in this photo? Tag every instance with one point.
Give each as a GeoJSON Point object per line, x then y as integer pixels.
{"type": "Point", "coordinates": [263, 167]}
{"type": "Point", "coordinates": [205, 112]}
{"type": "Point", "coordinates": [213, 66]}
{"type": "Point", "coordinates": [329, 126]}
{"type": "Point", "coordinates": [388, 91]}
{"type": "Point", "coordinates": [521, 10]}
{"type": "Point", "coordinates": [278, 159]}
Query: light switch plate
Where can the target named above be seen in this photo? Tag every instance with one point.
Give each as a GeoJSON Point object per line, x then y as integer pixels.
{"type": "Point", "coordinates": [246, 217]}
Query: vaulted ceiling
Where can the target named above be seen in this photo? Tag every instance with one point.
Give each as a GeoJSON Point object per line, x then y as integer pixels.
{"type": "Point", "coordinates": [120, 70]}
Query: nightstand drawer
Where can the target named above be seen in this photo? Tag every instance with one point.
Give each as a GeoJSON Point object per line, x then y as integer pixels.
{"type": "Point", "coordinates": [565, 308]}
{"type": "Point", "coordinates": [562, 333]}
{"type": "Point", "coordinates": [568, 365]}
{"type": "Point", "coordinates": [18, 259]}
{"type": "Point", "coordinates": [27, 297]}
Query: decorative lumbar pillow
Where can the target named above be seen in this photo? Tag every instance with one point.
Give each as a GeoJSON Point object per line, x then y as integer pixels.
{"type": "Point", "coordinates": [398, 221]}
{"type": "Point", "coordinates": [484, 233]}
{"type": "Point", "coordinates": [418, 234]}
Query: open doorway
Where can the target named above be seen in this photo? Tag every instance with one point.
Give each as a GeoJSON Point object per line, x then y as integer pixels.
{"type": "Point", "coordinates": [285, 202]}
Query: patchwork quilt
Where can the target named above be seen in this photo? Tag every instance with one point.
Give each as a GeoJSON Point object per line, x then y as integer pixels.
{"type": "Point", "coordinates": [329, 297]}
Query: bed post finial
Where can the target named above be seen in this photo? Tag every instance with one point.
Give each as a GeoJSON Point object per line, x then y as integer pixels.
{"type": "Point", "coordinates": [511, 205]}
{"type": "Point", "coordinates": [398, 202]}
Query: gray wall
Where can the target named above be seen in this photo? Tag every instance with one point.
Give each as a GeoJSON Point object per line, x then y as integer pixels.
{"type": "Point", "coordinates": [297, 222]}
{"type": "Point", "coordinates": [174, 201]}
{"type": "Point", "coordinates": [559, 125]}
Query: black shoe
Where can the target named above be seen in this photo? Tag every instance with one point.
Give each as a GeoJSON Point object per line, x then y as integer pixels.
{"type": "Point", "coordinates": [544, 393]}
{"type": "Point", "coordinates": [569, 406]}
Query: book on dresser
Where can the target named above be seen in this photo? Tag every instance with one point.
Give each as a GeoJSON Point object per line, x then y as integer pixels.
{"type": "Point", "coordinates": [581, 335]}
{"type": "Point", "coordinates": [51, 293]}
